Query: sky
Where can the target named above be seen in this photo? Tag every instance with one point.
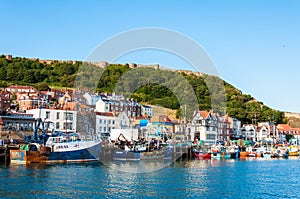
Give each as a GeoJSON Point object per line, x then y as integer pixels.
{"type": "Point", "coordinates": [254, 45]}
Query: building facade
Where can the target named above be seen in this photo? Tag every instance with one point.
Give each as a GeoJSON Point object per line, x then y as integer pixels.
{"type": "Point", "coordinates": [147, 111]}
{"type": "Point", "coordinates": [204, 127]}
{"type": "Point", "coordinates": [249, 132]}
{"type": "Point", "coordinates": [106, 121]}
{"type": "Point", "coordinates": [56, 120]}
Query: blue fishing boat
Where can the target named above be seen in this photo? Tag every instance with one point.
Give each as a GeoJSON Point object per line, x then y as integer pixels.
{"type": "Point", "coordinates": [61, 147]}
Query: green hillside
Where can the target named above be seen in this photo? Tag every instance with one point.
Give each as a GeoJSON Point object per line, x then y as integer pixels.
{"type": "Point", "coordinates": [143, 84]}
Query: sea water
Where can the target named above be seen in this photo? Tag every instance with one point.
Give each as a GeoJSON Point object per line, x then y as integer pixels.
{"type": "Point", "coordinates": [249, 178]}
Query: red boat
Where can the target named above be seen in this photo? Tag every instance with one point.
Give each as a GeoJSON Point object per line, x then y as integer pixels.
{"type": "Point", "coordinates": [202, 154]}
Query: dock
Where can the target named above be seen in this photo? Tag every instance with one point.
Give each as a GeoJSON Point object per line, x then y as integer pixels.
{"type": "Point", "coordinates": [5, 151]}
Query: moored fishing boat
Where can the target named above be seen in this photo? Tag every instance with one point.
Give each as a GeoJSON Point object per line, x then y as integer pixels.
{"type": "Point", "coordinates": [143, 153]}
{"type": "Point", "coordinates": [60, 148]}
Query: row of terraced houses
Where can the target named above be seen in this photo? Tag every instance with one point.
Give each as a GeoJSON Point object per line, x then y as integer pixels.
{"type": "Point", "coordinates": [74, 110]}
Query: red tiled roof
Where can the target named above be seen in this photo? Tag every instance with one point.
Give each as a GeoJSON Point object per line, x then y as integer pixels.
{"type": "Point", "coordinates": [16, 86]}
{"type": "Point", "coordinates": [109, 114]}
{"type": "Point", "coordinates": [164, 118]}
{"type": "Point", "coordinates": [204, 114]}
{"type": "Point", "coordinates": [284, 127]}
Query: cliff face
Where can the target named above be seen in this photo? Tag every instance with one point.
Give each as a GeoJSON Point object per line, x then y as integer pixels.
{"type": "Point", "coordinates": [289, 115]}
{"type": "Point", "coordinates": [293, 119]}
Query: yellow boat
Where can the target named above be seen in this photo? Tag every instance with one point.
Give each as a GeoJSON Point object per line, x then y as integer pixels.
{"type": "Point", "coordinates": [293, 151]}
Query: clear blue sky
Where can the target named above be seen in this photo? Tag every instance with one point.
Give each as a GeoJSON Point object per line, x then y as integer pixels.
{"type": "Point", "coordinates": [254, 44]}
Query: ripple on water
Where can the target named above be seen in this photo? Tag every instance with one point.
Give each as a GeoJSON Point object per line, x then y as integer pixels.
{"type": "Point", "coordinates": [193, 179]}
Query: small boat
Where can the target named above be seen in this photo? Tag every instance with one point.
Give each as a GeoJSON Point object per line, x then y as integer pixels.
{"type": "Point", "coordinates": [293, 151]}
{"type": "Point", "coordinates": [259, 151]}
{"type": "Point", "coordinates": [282, 152]}
{"type": "Point", "coordinates": [267, 154]}
{"type": "Point", "coordinates": [243, 154]}
{"type": "Point", "coordinates": [216, 155]}
{"type": "Point", "coordinates": [201, 154]}
{"type": "Point", "coordinates": [234, 152]}
{"type": "Point", "coordinates": [225, 155]}
{"type": "Point", "coordinates": [252, 154]}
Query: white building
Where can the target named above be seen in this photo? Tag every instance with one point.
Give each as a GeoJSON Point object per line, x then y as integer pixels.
{"type": "Point", "coordinates": [88, 97]}
{"type": "Point", "coordinates": [91, 99]}
{"type": "Point", "coordinates": [102, 105]}
{"type": "Point", "coordinates": [106, 121]}
{"type": "Point", "coordinates": [262, 133]}
{"type": "Point", "coordinates": [249, 132]}
{"type": "Point", "coordinates": [204, 127]}
{"type": "Point", "coordinates": [147, 111]}
{"type": "Point", "coordinates": [58, 120]}
{"type": "Point", "coordinates": [123, 121]}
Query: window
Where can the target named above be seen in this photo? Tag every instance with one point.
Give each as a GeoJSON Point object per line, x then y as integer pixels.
{"type": "Point", "coordinates": [113, 121]}
{"type": "Point", "coordinates": [47, 114]}
{"type": "Point", "coordinates": [210, 136]}
{"type": "Point", "coordinates": [57, 115]}
{"type": "Point", "coordinates": [68, 116]}
{"type": "Point", "coordinates": [100, 128]}
{"type": "Point", "coordinates": [108, 121]}
{"type": "Point", "coordinates": [57, 125]}
{"type": "Point", "coordinates": [100, 121]}
{"type": "Point", "coordinates": [104, 129]}
{"type": "Point", "coordinates": [104, 121]}
{"type": "Point", "coordinates": [68, 125]}
{"type": "Point", "coordinates": [109, 129]}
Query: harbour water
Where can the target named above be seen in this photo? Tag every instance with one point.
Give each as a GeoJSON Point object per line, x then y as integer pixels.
{"type": "Point", "coordinates": [249, 178]}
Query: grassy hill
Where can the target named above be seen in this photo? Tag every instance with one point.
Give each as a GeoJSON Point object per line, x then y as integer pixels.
{"type": "Point", "coordinates": [149, 85]}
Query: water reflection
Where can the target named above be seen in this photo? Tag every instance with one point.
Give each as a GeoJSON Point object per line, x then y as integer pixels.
{"type": "Point", "coordinates": [276, 178]}
{"type": "Point", "coordinates": [144, 166]}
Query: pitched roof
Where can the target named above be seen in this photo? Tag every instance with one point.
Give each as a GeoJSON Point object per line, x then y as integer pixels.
{"type": "Point", "coordinates": [204, 114]}
{"type": "Point", "coordinates": [109, 114]}
{"type": "Point", "coordinates": [284, 127]}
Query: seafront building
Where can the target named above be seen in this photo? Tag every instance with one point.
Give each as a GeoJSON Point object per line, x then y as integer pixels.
{"type": "Point", "coordinates": [249, 132]}
{"type": "Point", "coordinates": [56, 120]}
{"type": "Point", "coordinates": [106, 121]}
{"type": "Point", "coordinates": [204, 127]}
{"type": "Point", "coordinates": [75, 110]}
